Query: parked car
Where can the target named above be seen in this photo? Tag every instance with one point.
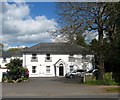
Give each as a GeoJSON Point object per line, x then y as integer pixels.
{"type": "Point", "coordinates": [78, 72]}
{"type": "Point", "coordinates": [91, 72]}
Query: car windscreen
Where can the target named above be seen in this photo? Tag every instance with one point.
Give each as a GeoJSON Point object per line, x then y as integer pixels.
{"type": "Point", "coordinates": [80, 71]}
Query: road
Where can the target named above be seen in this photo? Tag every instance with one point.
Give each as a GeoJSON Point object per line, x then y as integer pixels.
{"type": "Point", "coordinates": [54, 88]}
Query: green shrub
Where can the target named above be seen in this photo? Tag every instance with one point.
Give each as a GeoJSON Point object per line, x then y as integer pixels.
{"type": "Point", "coordinates": [106, 81]}
{"type": "Point", "coordinates": [15, 72]}
{"type": "Point", "coordinates": [90, 78]}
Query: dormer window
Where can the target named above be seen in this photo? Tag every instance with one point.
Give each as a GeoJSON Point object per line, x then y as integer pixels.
{"type": "Point", "coordinates": [34, 57]}
{"type": "Point", "coordinates": [4, 60]}
{"type": "Point", "coordinates": [48, 58]}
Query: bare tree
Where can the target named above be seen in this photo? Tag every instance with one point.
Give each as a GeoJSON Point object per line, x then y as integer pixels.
{"type": "Point", "coordinates": [77, 17]}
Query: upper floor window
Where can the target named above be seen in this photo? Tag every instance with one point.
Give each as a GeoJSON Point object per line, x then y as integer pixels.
{"type": "Point", "coordinates": [71, 55]}
{"type": "Point", "coordinates": [71, 58]}
{"type": "Point", "coordinates": [4, 60]}
{"type": "Point", "coordinates": [48, 58]}
{"type": "Point", "coordinates": [71, 68]}
{"type": "Point", "coordinates": [33, 69]}
{"type": "Point", "coordinates": [34, 57]}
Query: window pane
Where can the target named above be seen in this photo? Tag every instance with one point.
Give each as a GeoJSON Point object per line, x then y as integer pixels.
{"type": "Point", "coordinates": [71, 58]}
{"type": "Point", "coordinates": [71, 55]}
{"type": "Point", "coordinates": [34, 54]}
{"type": "Point", "coordinates": [48, 54]}
{"type": "Point", "coordinates": [48, 58]}
{"type": "Point", "coordinates": [71, 68]}
{"type": "Point", "coordinates": [47, 69]}
{"type": "Point", "coordinates": [4, 60]}
{"type": "Point", "coordinates": [33, 69]}
{"type": "Point", "coordinates": [34, 58]}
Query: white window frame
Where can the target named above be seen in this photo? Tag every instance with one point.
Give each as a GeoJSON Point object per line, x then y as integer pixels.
{"type": "Point", "coordinates": [34, 58]}
{"type": "Point", "coordinates": [4, 60]}
{"type": "Point", "coordinates": [48, 58]}
{"type": "Point", "coordinates": [71, 68]}
{"type": "Point", "coordinates": [47, 69]}
{"type": "Point", "coordinates": [71, 58]}
{"type": "Point", "coordinates": [34, 69]}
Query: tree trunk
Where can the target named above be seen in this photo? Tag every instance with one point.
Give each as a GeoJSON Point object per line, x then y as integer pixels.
{"type": "Point", "coordinates": [101, 68]}
{"type": "Point", "coordinates": [101, 52]}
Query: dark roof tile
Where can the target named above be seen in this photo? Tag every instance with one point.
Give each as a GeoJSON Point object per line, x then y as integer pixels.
{"type": "Point", "coordinates": [57, 48]}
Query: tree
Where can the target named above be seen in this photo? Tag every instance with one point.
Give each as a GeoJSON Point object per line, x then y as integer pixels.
{"type": "Point", "coordinates": [73, 32]}
{"type": "Point", "coordinates": [77, 17]}
{"type": "Point", "coordinates": [14, 68]}
{"type": "Point", "coordinates": [15, 72]}
{"type": "Point", "coordinates": [14, 49]}
{"type": "Point", "coordinates": [114, 38]}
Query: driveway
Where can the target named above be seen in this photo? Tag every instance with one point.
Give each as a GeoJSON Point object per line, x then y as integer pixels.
{"type": "Point", "coordinates": [53, 88]}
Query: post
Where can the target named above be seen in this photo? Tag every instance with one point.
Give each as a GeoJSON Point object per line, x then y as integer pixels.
{"type": "Point", "coordinates": [1, 75]}
{"type": "Point", "coordinates": [84, 66]}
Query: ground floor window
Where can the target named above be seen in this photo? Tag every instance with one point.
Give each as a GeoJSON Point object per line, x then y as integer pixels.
{"type": "Point", "coordinates": [33, 69]}
{"type": "Point", "coordinates": [47, 69]}
{"type": "Point", "coordinates": [71, 68]}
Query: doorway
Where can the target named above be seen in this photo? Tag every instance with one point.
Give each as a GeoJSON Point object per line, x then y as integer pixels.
{"type": "Point", "coordinates": [61, 70]}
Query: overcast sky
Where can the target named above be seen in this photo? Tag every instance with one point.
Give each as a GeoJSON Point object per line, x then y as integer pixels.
{"type": "Point", "coordinates": [25, 24]}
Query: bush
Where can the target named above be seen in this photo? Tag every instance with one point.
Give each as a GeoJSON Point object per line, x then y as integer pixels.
{"type": "Point", "coordinates": [106, 81]}
{"type": "Point", "coordinates": [15, 72]}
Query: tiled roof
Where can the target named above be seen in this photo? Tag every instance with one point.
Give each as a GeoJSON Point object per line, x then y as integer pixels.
{"type": "Point", "coordinates": [8, 54]}
{"type": "Point", "coordinates": [57, 48]}
{"type": "Point", "coordinates": [5, 54]}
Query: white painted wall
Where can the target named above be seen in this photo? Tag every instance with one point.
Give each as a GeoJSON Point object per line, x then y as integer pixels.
{"type": "Point", "coordinates": [1, 73]}
{"type": "Point", "coordinates": [2, 63]}
{"type": "Point", "coordinates": [41, 64]}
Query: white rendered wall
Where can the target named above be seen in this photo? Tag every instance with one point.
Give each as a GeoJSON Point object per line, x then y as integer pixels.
{"type": "Point", "coordinates": [2, 64]}
{"type": "Point", "coordinates": [1, 73]}
{"type": "Point", "coordinates": [41, 64]}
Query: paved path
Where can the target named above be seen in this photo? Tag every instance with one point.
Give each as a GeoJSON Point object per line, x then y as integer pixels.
{"type": "Point", "coordinates": [54, 87]}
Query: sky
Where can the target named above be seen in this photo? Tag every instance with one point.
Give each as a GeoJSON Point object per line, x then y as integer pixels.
{"type": "Point", "coordinates": [27, 23]}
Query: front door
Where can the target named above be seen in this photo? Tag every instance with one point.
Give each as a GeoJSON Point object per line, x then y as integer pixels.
{"type": "Point", "coordinates": [61, 72]}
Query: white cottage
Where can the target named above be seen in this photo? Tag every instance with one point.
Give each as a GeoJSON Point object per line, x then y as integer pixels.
{"type": "Point", "coordinates": [56, 59]}
{"type": "Point", "coordinates": [6, 56]}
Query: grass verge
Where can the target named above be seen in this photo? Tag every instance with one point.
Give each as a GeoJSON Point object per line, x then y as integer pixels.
{"type": "Point", "coordinates": [113, 90]}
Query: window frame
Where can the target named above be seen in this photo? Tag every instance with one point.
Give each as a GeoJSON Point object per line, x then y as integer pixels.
{"type": "Point", "coordinates": [48, 58]}
{"type": "Point", "coordinates": [72, 68]}
{"type": "Point", "coordinates": [48, 69]}
{"type": "Point", "coordinates": [4, 60]}
{"type": "Point", "coordinates": [71, 56]}
{"type": "Point", "coordinates": [34, 57]}
{"type": "Point", "coordinates": [34, 69]}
